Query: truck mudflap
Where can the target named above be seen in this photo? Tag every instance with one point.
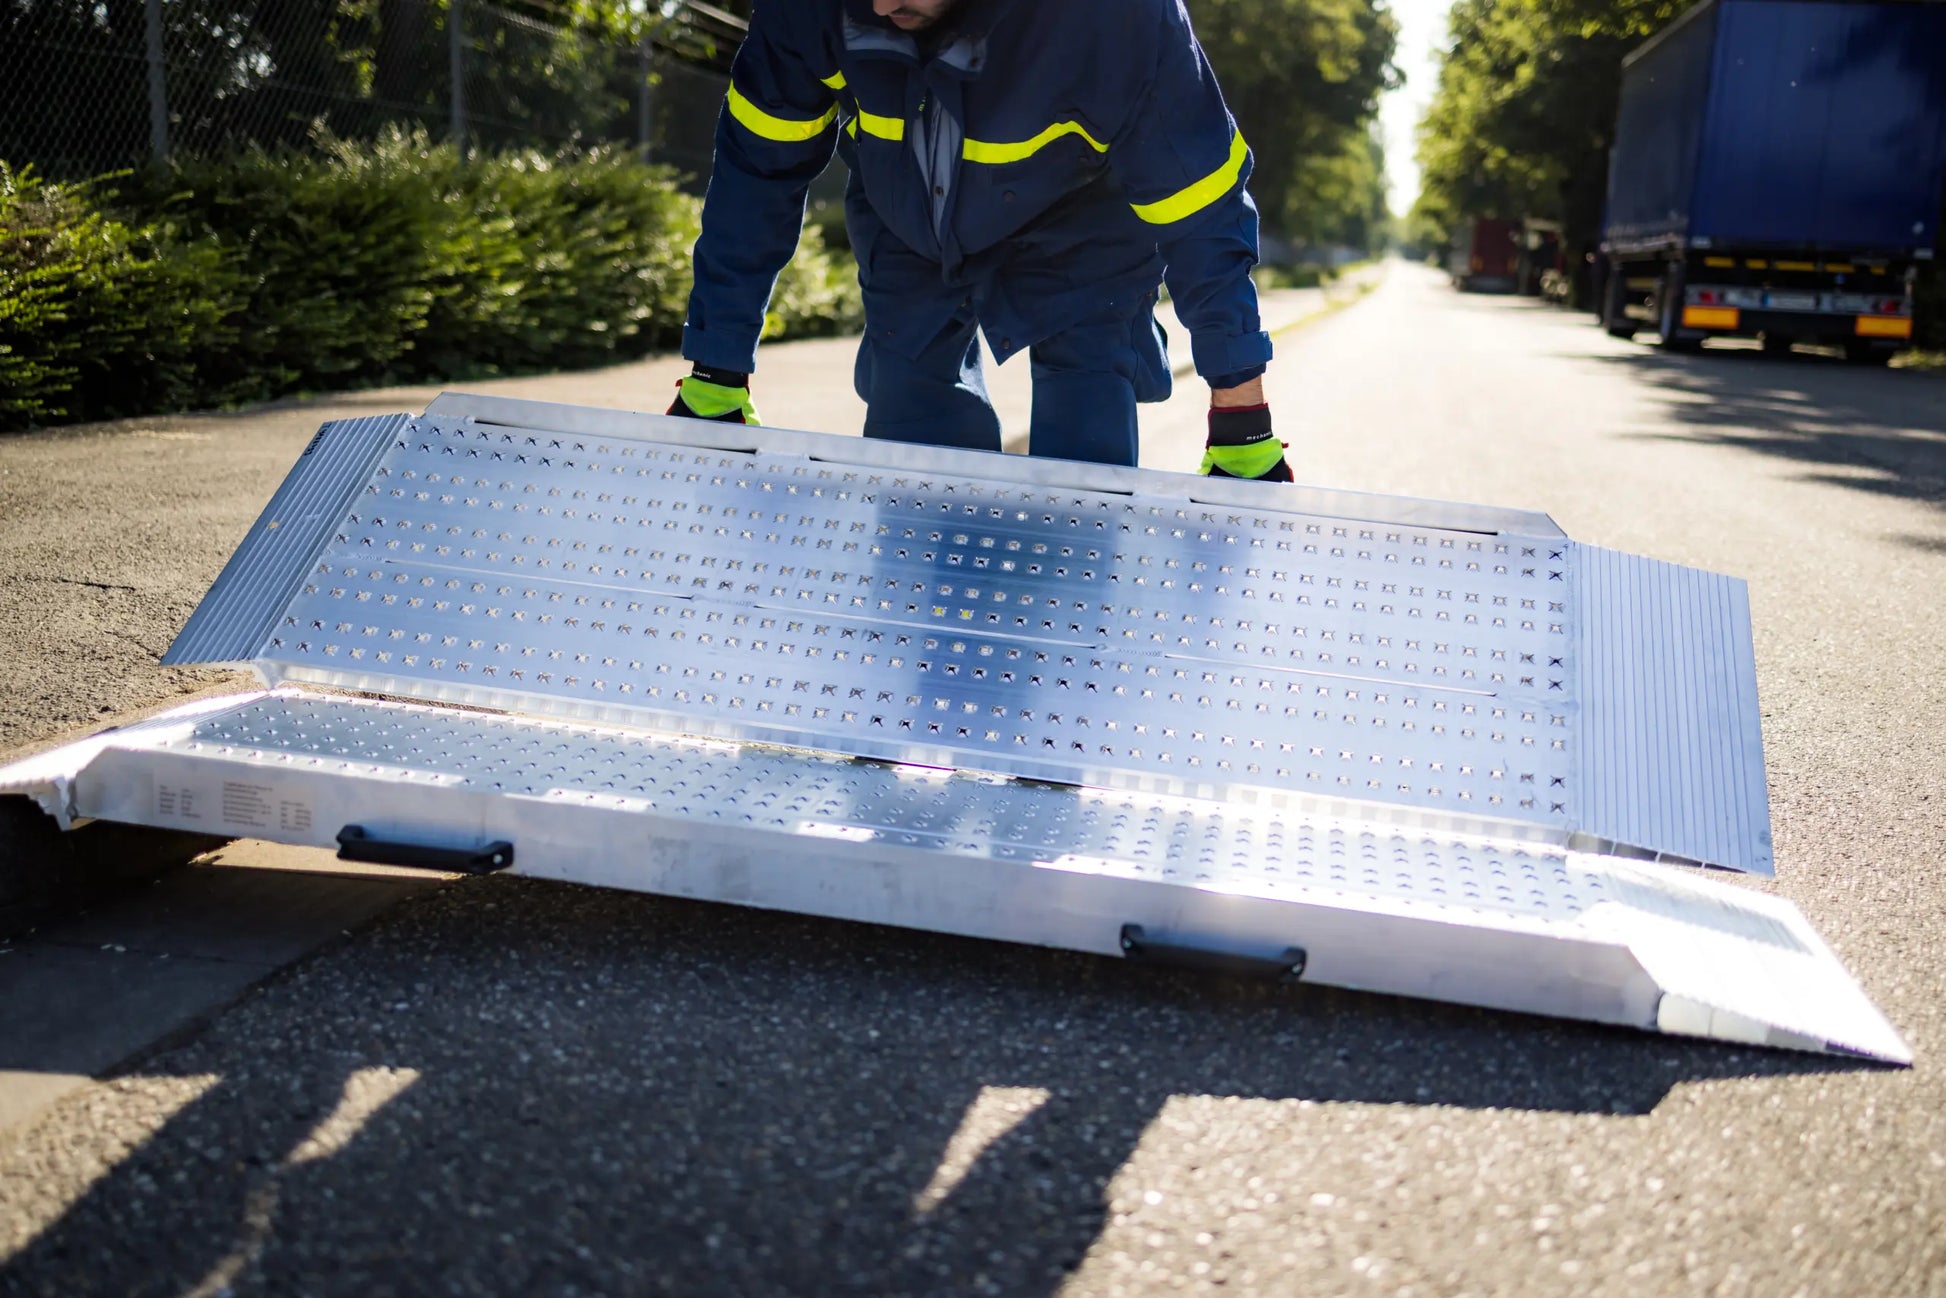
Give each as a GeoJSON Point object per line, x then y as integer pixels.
{"type": "Point", "coordinates": [1426, 749]}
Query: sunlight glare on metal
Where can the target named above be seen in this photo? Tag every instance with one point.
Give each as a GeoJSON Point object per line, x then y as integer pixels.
{"type": "Point", "coordinates": [842, 833]}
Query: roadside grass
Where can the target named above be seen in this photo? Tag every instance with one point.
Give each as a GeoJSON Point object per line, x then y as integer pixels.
{"type": "Point", "coordinates": [1350, 283]}
{"type": "Point", "coordinates": [1267, 276]}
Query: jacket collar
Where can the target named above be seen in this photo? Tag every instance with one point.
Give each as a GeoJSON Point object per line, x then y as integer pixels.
{"type": "Point", "coordinates": [963, 52]}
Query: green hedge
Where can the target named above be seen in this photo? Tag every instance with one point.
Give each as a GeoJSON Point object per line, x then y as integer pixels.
{"type": "Point", "coordinates": [99, 317]}
{"type": "Point", "coordinates": [223, 281]}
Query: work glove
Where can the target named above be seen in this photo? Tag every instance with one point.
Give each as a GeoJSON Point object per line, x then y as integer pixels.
{"type": "Point", "coordinates": [1241, 445]}
{"type": "Point", "coordinates": [722, 396]}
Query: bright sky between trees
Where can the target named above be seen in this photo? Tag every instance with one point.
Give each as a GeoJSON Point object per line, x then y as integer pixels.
{"type": "Point", "coordinates": [1422, 30]}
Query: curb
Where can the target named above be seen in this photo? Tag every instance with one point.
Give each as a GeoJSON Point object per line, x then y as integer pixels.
{"type": "Point", "coordinates": [46, 874]}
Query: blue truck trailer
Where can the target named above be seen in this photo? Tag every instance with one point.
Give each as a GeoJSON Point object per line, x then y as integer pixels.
{"type": "Point", "coordinates": [1778, 172]}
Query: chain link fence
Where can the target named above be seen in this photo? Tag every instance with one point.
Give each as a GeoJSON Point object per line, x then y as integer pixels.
{"type": "Point", "coordinates": [94, 86]}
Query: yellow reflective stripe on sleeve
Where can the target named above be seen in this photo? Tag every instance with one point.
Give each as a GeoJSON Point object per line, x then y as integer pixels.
{"type": "Point", "coordinates": [1194, 198]}
{"type": "Point", "coordinates": [989, 152]}
{"type": "Point", "coordinates": [787, 129]}
{"type": "Point", "coordinates": [885, 128]}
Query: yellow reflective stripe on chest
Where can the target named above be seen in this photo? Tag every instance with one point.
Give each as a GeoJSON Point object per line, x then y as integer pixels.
{"type": "Point", "coordinates": [989, 152]}
{"type": "Point", "coordinates": [787, 129]}
{"type": "Point", "coordinates": [885, 128]}
{"type": "Point", "coordinates": [1192, 199]}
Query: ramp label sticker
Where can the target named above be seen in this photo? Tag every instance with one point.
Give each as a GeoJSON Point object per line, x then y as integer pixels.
{"type": "Point", "coordinates": [293, 817]}
{"type": "Point", "coordinates": [176, 803]}
{"type": "Point", "coordinates": [246, 804]}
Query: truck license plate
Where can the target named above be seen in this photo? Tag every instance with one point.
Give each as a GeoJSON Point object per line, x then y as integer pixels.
{"type": "Point", "coordinates": [1791, 301]}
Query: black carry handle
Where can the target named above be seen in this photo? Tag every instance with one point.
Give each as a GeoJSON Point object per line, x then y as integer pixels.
{"type": "Point", "coordinates": [356, 844]}
{"type": "Point", "coordinates": [1283, 966]}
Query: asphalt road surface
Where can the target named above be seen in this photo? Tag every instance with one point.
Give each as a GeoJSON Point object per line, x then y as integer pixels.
{"type": "Point", "coordinates": [505, 1086]}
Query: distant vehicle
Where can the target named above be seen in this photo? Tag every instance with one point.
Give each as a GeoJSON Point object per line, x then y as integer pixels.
{"type": "Point", "coordinates": [1777, 174]}
{"type": "Point", "coordinates": [1485, 255]}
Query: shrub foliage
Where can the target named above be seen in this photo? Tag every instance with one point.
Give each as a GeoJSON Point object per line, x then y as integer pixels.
{"type": "Point", "coordinates": [264, 274]}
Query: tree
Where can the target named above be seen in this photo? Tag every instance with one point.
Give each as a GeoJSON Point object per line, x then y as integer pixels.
{"type": "Point", "coordinates": [1303, 78]}
{"type": "Point", "coordinates": [245, 72]}
{"type": "Point", "coordinates": [1522, 118]}
{"type": "Point", "coordinates": [68, 103]}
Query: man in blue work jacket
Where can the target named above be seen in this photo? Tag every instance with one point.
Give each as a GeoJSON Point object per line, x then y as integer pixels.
{"type": "Point", "coordinates": [1033, 168]}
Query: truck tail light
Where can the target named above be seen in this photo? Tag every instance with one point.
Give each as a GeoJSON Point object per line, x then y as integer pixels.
{"type": "Point", "coordinates": [1708, 297]}
{"type": "Point", "coordinates": [1890, 306]}
{"type": "Point", "coordinates": [1710, 317]}
{"type": "Point", "coordinates": [1883, 326]}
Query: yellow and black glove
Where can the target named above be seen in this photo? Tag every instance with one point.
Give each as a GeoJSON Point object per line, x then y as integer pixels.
{"type": "Point", "coordinates": [1241, 445]}
{"type": "Point", "coordinates": [721, 396]}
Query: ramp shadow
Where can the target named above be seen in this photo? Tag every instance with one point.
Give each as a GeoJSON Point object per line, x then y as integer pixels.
{"type": "Point", "coordinates": [584, 1091]}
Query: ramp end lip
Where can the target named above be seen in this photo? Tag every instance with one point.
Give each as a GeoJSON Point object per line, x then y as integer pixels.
{"type": "Point", "coordinates": [1873, 1037]}
{"type": "Point", "coordinates": [1898, 1057]}
{"type": "Point", "coordinates": [1761, 864]}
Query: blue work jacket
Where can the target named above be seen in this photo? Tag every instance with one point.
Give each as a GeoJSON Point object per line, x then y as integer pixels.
{"type": "Point", "coordinates": [1042, 160]}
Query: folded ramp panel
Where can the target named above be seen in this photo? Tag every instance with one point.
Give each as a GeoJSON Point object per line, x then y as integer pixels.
{"type": "Point", "coordinates": [1436, 750]}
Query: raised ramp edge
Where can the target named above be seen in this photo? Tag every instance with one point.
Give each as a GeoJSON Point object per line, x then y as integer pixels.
{"type": "Point", "coordinates": [230, 623]}
{"type": "Point", "coordinates": [1669, 749]}
{"type": "Point", "coordinates": [946, 461]}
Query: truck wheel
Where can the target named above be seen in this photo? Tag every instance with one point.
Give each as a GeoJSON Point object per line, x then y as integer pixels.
{"type": "Point", "coordinates": [1862, 353]}
{"type": "Point", "coordinates": [1668, 302]}
{"type": "Point", "coordinates": [1614, 300]}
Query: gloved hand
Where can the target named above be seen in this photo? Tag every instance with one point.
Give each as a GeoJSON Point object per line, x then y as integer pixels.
{"type": "Point", "coordinates": [722, 396]}
{"type": "Point", "coordinates": [1241, 445]}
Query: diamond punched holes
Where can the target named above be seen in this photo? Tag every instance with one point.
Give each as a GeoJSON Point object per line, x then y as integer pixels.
{"type": "Point", "coordinates": [1052, 711]}
{"type": "Point", "coordinates": [1260, 851]}
{"type": "Point", "coordinates": [1074, 636]}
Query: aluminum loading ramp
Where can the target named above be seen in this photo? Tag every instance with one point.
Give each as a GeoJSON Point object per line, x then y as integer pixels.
{"type": "Point", "coordinates": [1398, 745]}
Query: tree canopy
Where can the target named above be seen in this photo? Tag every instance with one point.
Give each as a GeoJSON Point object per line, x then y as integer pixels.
{"type": "Point", "coordinates": [75, 98]}
{"type": "Point", "coordinates": [1303, 78]}
{"type": "Point", "coordinates": [1524, 111]}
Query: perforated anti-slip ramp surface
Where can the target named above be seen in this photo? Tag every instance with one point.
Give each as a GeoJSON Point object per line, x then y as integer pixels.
{"type": "Point", "coordinates": [1416, 743]}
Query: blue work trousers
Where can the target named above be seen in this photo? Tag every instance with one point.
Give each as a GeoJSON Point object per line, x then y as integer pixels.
{"type": "Point", "coordinates": [1087, 381]}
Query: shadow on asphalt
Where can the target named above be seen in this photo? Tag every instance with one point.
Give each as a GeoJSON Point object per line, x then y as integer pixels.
{"type": "Point", "coordinates": [1812, 409]}
{"type": "Point", "coordinates": [614, 1093]}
